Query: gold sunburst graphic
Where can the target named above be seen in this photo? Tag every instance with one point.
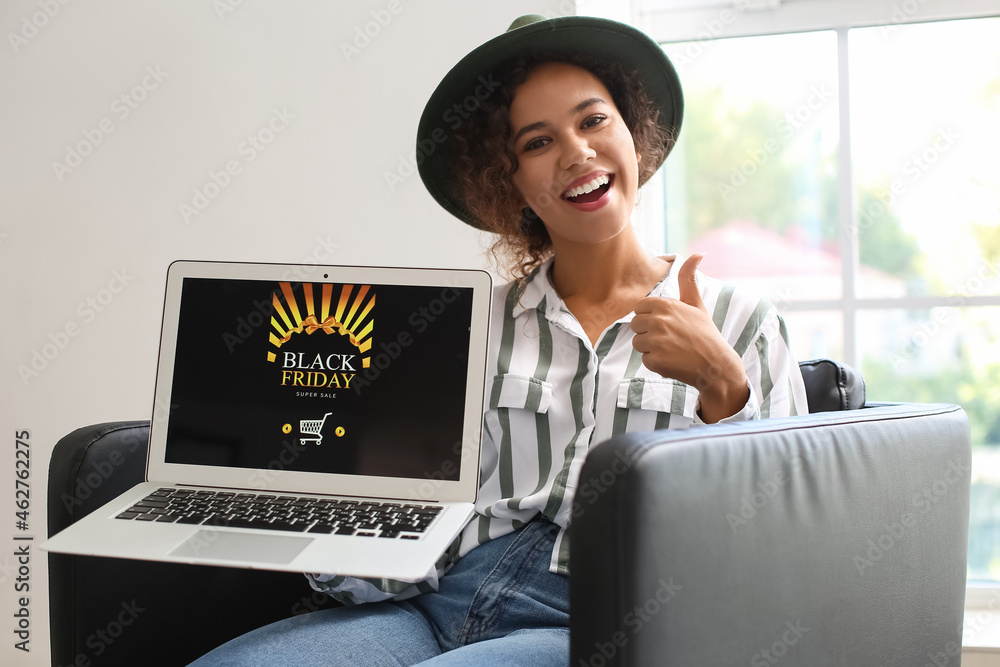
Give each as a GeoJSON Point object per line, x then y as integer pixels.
{"type": "Point", "coordinates": [351, 317]}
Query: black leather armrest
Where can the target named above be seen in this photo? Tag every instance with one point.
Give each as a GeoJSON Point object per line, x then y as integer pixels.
{"type": "Point", "coordinates": [827, 539]}
{"type": "Point", "coordinates": [832, 386]}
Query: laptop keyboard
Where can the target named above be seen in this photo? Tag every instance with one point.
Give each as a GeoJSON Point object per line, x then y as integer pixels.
{"type": "Point", "coordinates": [289, 513]}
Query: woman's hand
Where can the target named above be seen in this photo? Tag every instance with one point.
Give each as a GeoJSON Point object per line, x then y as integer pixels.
{"type": "Point", "coordinates": [678, 340]}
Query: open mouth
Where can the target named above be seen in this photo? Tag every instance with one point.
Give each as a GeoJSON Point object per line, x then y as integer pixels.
{"type": "Point", "coordinates": [589, 192]}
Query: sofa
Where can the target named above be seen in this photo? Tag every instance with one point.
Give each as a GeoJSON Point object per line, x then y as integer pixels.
{"type": "Point", "coordinates": [834, 538]}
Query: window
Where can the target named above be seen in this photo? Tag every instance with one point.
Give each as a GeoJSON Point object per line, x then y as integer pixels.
{"type": "Point", "coordinates": [849, 175]}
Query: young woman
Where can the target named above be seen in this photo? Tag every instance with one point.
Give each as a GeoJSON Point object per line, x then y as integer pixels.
{"type": "Point", "coordinates": [551, 130]}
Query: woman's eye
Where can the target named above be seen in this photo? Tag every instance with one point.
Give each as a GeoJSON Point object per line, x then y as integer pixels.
{"type": "Point", "coordinates": [596, 119]}
{"type": "Point", "coordinates": [535, 144]}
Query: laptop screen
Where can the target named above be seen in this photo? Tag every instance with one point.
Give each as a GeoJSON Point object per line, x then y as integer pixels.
{"type": "Point", "coordinates": [357, 379]}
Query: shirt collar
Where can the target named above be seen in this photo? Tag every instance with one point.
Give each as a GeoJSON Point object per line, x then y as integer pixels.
{"type": "Point", "coordinates": [536, 288]}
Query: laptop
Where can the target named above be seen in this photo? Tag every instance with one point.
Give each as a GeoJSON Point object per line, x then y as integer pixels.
{"type": "Point", "coordinates": [321, 419]}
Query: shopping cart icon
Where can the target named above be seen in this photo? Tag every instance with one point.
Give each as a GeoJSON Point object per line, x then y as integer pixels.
{"type": "Point", "coordinates": [312, 427]}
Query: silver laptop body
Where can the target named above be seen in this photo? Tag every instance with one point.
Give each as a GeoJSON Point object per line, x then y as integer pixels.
{"type": "Point", "coordinates": [281, 388]}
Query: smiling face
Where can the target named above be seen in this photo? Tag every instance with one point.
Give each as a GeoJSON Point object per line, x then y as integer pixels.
{"type": "Point", "coordinates": [577, 163]}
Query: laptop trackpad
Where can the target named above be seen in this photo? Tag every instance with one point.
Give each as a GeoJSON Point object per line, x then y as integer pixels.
{"type": "Point", "coordinates": [231, 546]}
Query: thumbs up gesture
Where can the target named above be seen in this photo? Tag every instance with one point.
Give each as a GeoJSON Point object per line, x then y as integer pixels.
{"type": "Point", "coordinates": [678, 340]}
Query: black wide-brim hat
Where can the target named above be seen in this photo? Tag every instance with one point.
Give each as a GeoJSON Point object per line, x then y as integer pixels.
{"type": "Point", "coordinates": [480, 73]}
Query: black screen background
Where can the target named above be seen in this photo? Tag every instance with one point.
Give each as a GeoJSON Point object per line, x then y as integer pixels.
{"type": "Point", "coordinates": [402, 417]}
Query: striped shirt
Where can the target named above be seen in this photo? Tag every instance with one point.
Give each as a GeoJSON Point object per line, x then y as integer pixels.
{"type": "Point", "coordinates": [551, 395]}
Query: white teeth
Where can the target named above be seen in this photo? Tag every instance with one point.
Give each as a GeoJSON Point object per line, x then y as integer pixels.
{"type": "Point", "coordinates": [587, 187]}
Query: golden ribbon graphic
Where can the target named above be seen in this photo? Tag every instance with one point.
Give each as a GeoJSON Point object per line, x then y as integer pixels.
{"type": "Point", "coordinates": [311, 324]}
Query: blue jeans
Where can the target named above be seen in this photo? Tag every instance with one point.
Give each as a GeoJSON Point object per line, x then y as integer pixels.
{"type": "Point", "coordinates": [499, 605]}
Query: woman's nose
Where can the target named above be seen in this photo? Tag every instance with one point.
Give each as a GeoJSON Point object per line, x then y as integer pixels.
{"type": "Point", "coordinates": [576, 150]}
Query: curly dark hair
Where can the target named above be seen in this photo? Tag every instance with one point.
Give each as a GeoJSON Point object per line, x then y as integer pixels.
{"type": "Point", "coordinates": [487, 162]}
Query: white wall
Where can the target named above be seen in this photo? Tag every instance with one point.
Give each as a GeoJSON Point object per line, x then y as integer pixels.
{"type": "Point", "coordinates": [84, 249]}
